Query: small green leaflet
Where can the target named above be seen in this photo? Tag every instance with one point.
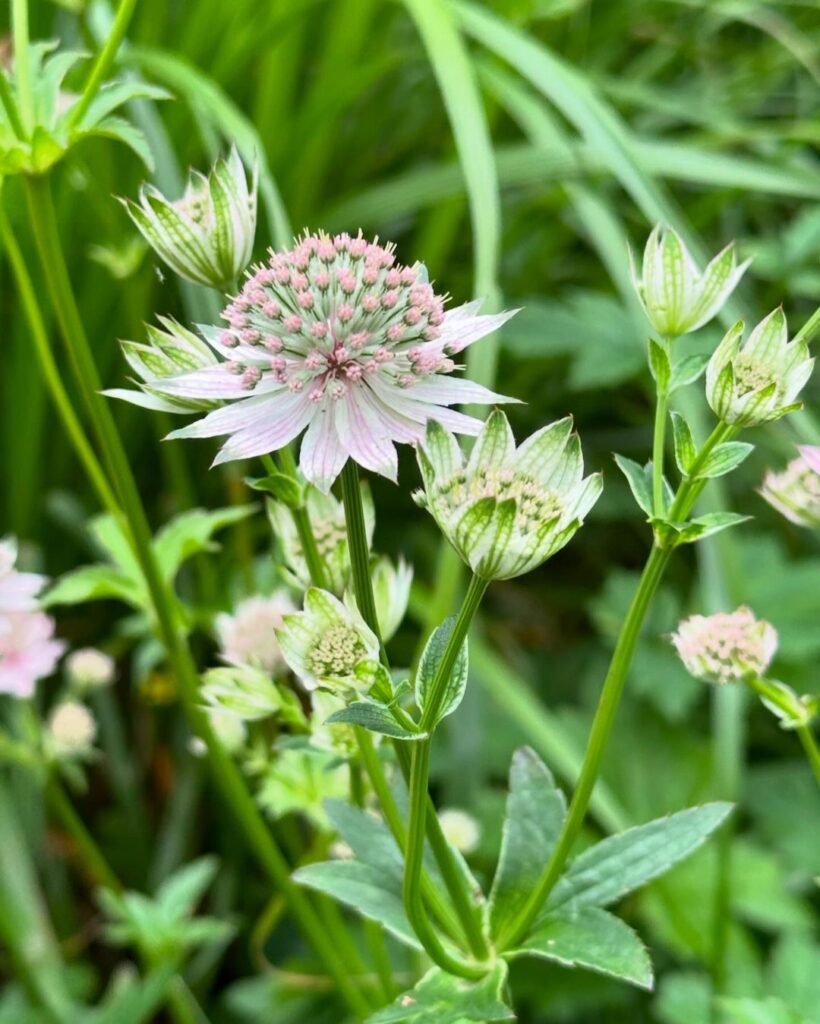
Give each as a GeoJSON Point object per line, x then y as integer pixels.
{"type": "Point", "coordinates": [639, 479]}
{"type": "Point", "coordinates": [535, 812]}
{"type": "Point", "coordinates": [592, 938]}
{"type": "Point", "coordinates": [375, 717]}
{"type": "Point", "coordinates": [685, 451]}
{"type": "Point", "coordinates": [705, 526]}
{"type": "Point", "coordinates": [428, 667]}
{"type": "Point", "coordinates": [441, 998]}
{"type": "Point", "coordinates": [280, 486]}
{"type": "Point", "coordinates": [724, 458]}
{"type": "Point", "coordinates": [660, 366]}
{"type": "Point", "coordinates": [687, 371]}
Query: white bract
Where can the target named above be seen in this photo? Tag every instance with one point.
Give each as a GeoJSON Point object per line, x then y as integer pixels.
{"type": "Point", "coordinates": [506, 509]}
{"type": "Point", "coordinates": [324, 643]}
{"type": "Point", "coordinates": [725, 647]}
{"type": "Point", "coordinates": [757, 381]}
{"type": "Point", "coordinates": [676, 296]}
{"type": "Point", "coordinates": [391, 590]}
{"type": "Point", "coordinates": [244, 692]}
{"type": "Point", "coordinates": [207, 235]}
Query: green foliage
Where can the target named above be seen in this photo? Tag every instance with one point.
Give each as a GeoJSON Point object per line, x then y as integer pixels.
{"type": "Point", "coordinates": [429, 663]}
{"type": "Point", "coordinates": [440, 998]}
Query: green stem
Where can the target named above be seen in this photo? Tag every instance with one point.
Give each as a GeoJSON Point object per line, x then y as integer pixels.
{"type": "Point", "coordinates": [103, 63]}
{"type": "Point", "coordinates": [599, 734]}
{"type": "Point", "coordinates": [10, 107]}
{"type": "Point", "coordinates": [301, 520]}
{"type": "Point", "coordinates": [413, 862]}
{"type": "Point", "coordinates": [224, 770]}
{"type": "Point", "coordinates": [96, 866]}
{"type": "Point", "coordinates": [811, 749]}
{"type": "Point", "coordinates": [658, 441]}
{"type": "Point", "coordinates": [691, 488]}
{"type": "Point", "coordinates": [22, 62]}
{"type": "Point", "coordinates": [763, 688]}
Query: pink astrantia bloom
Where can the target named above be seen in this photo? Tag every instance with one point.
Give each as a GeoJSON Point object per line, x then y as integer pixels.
{"type": "Point", "coordinates": [28, 652]}
{"type": "Point", "coordinates": [726, 647]}
{"type": "Point", "coordinates": [248, 636]}
{"type": "Point", "coordinates": [795, 492]}
{"type": "Point", "coordinates": [18, 590]}
{"type": "Point", "coordinates": [336, 339]}
{"type": "Point", "coordinates": [811, 453]}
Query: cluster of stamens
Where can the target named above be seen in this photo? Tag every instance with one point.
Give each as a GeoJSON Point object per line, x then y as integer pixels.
{"type": "Point", "coordinates": [336, 653]}
{"type": "Point", "coordinates": [535, 505]}
{"type": "Point", "coordinates": [332, 311]}
{"type": "Point", "coordinates": [750, 375]}
{"type": "Point", "coordinates": [724, 647]}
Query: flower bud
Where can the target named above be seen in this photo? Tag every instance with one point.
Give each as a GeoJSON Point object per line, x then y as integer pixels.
{"type": "Point", "coordinates": [507, 509]}
{"type": "Point", "coordinates": [460, 829]}
{"type": "Point", "coordinates": [248, 636]}
{"type": "Point", "coordinates": [90, 669]}
{"type": "Point", "coordinates": [793, 710]}
{"type": "Point", "coordinates": [726, 647]}
{"type": "Point", "coordinates": [391, 591]}
{"type": "Point", "coordinates": [755, 382]}
{"type": "Point", "coordinates": [71, 730]}
{"type": "Point", "coordinates": [324, 643]}
{"type": "Point", "coordinates": [245, 692]}
{"type": "Point", "coordinates": [676, 297]}
{"type": "Point", "coordinates": [207, 235]}
{"type": "Point", "coordinates": [795, 492]}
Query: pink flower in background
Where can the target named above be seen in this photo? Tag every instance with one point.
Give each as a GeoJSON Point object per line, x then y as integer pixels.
{"type": "Point", "coordinates": [811, 453]}
{"type": "Point", "coordinates": [795, 492]}
{"type": "Point", "coordinates": [337, 339]}
{"type": "Point", "coordinates": [725, 647]}
{"type": "Point", "coordinates": [247, 637]}
{"type": "Point", "coordinates": [28, 652]}
{"type": "Point", "coordinates": [18, 590]}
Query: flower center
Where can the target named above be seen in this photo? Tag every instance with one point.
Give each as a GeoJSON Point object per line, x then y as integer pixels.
{"type": "Point", "coordinates": [751, 375]}
{"type": "Point", "coordinates": [535, 504]}
{"type": "Point", "coordinates": [336, 652]}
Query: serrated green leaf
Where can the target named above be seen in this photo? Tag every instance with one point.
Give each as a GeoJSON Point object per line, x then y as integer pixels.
{"type": "Point", "coordinates": [180, 892]}
{"type": "Point", "coordinates": [593, 939]}
{"type": "Point", "coordinates": [190, 532]}
{"type": "Point", "coordinates": [724, 458]}
{"type": "Point", "coordinates": [428, 667]}
{"type": "Point", "coordinates": [282, 487]}
{"type": "Point", "coordinates": [535, 812]}
{"type": "Point", "coordinates": [362, 888]}
{"type": "Point", "coordinates": [375, 717]}
{"type": "Point", "coordinates": [120, 130]}
{"type": "Point", "coordinates": [640, 483]}
{"type": "Point", "coordinates": [660, 365]}
{"type": "Point", "coordinates": [441, 998]}
{"type": "Point", "coordinates": [94, 583]}
{"type": "Point", "coordinates": [370, 840]}
{"type": "Point", "coordinates": [617, 865]}
{"type": "Point", "coordinates": [685, 451]}
{"type": "Point", "coordinates": [687, 371]}
{"type": "Point", "coordinates": [707, 525]}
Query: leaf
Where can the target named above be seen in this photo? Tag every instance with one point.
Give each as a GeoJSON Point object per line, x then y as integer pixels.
{"type": "Point", "coordinates": [360, 887]}
{"type": "Point", "coordinates": [535, 812]}
{"type": "Point", "coordinates": [94, 583]}
{"type": "Point", "coordinates": [431, 658]}
{"type": "Point", "coordinates": [441, 998]}
{"type": "Point", "coordinates": [724, 458]}
{"type": "Point", "coordinates": [120, 130]}
{"type": "Point", "coordinates": [639, 480]}
{"type": "Point", "coordinates": [708, 524]}
{"type": "Point", "coordinates": [375, 717]}
{"type": "Point", "coordinates": [136, 1001]}
{"type": "Point", "coordinates": [685, 451]}
{"type": "Point", "coordinates": [660, 365]}
{"type": "Point", "coordinates": [594, 939]}
{"type": "Point", "coordinates": [190, 532]}
{"type": "Point", "coordinates": [687, 370]}
{"type": "Point", "coordinates": [617, 865]}
{"type": "Point", "coordinates": [281, 486]}
{"type": "Point", "coordinates": [180, 892]}
{"type": "Point", "coordinates": [369, 839]}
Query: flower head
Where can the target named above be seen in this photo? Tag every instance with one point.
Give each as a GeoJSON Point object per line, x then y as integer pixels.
{"type": "Point", "coordinates": [169, 352]}
{"type": "Point", "coordinates": [795, 492]}
{"type": "Point", "coordinates": [508, 509]}
{"type": "Point", "coordinates": [726, 647]}
{"type": "Point", "coordinates": [18, 590]}
{"type": "Point", "coordinates": [28, 651]}
{"type": "Point", "coordinates": [248, 636]}
{"type": "Point", "coordinates": [335, 338]}
{"type": "Point", "coordinates": [90, 669]}
{"type": "Point", "coordinates": [244, 692]}
{"type": "Point", "coordinates": [327, 520]}
{"type": "Point", "coordinates": [676, 297]}
{"type": "Point", "coordinates": [758, 381]}
{"type": "Point", "coordinates": [811, 455]}
{"type": "Point", "coordinates": [326, 642]}
{"type": "Point", "coordinates": [460, 829]}
{"type": "Point", "coordinates": [71, 729]}
{"type": "Point", "coordinates": [207, 235]}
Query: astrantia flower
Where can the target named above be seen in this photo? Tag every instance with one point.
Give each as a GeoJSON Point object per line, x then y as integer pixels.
{"type": "Point", "coordinates": [677, 298]}
{"type": "Point", "coordinates": [248, 636]}
{"type": "Point", "coordinates": [327, 521]}
{"type": "Point", "coordinates": [168, 353]}
{"type": "Point", "coordinates": [89, 669]}
{"type": "Point", "coordinates": [28, 651]}
{"type": "Point", "coordinates": [508, 509]}
{"type": "Point", "coordinates": [758, 381]}
{"type": "Point", "coordinates": [795, 492]}
{"type": "Point", "coordinates": [18, 590]}
{"type": "Point", "coordinates": [245, 692]}
{"type": "Point", "coordinates": [725, 647]}
{"type": "Point", "coordinates": [207, 235]}
{"type": "Point", "coordinates": [811, 454]}
{"type": "Point", "coordinates": [71, 730]}
{"type": "Point", "coordinates": [324, 643]}
{"type": "Point", "coordinates": [335, 338]}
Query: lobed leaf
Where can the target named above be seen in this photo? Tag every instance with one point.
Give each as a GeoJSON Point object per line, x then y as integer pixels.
{"type": "Point", "coordinates": [441, 998]}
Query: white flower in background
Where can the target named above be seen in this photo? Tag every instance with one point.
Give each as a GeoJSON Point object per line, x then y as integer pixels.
{"type": "Point", "coordinates": [248, 636]}
{"type": "Point", "coordinates": [207, 235]}
{"type": "Point", "coordinates": [71, 730]}
{"type": "Point", "coordinates": [229, 729]}
{"type": "Point", "coordinates": [324, 643]}
{"type": "Point", "coordinates": [245, 692]}
{"type": "Point", "coordinates": [507, 509]}
{"type": "Point", "coordinates": [336, 339]}
{"type": "Point", "coordinates": [726, 647]}
{"type": "Point", "coordinates": [460, 829]}
{"type": "Point", "coordinates": [391, 591]}
{"type": "Point", "coordinates": [18, 590]}
{"type": "Point", "coordinates": [795, 492]}
{"type": "Point", "coordinates": [758, 381]}
{"type": "Point", "coordinates": [676, 297]}
{"type": "Point", "coordinates": [28, 651]}
{"type": "Point", "coordinates": [90, 669]}
{"type": "Point", "coordinates": [327, 520]}
{"type": "Point", "coordinates": [337, 738]}
{"type": "Point", "coordinates": [169, 352]}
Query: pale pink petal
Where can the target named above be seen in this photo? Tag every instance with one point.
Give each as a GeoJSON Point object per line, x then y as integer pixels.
{"type": "Point", "coordinates": [213, 382]}
{"type": "Point", "coordinates": [289, 415]}
{"type": "Point", "coordinates": [420, 412]}
{"type": "Point", "coordinates": [362, 433]}
{"type": "Point", "coordinates": [322, 455]}
{"type": "Point", "coordinates": [246, 413]}
{"type": "Point", "coordinates": [455, 390]}
{"type": "Point", "coordinates": [811, 454]}
{"type": "Point", "coordinates": [459, 330]}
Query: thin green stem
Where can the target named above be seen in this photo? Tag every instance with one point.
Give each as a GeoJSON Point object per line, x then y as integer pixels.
{"type": "Point", "coordinates": [599, 734]}
{"type": "Point", "coordinates": [225, 772]}
{"type": "Point", "coordinates": [10, 107]}
{"type": "Point", "coordinates": [95, 864]}
{"type": "Point", "coordinates": [763, 688]}
{"type": "Point", "coordinates": [658, 442]}
{"type": "Point", "coordinates": [358, 546]}
{"type": "Point", "coordinates": [811, 748]}
{"type": "Point", "coordinates": [22, 62]}
{"type": "Point", "coordinates": [691, 488]}
{"type": "Point", "coordinates": [103, 63]}
{"type": "Point", "coordinates": [301, 520]}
